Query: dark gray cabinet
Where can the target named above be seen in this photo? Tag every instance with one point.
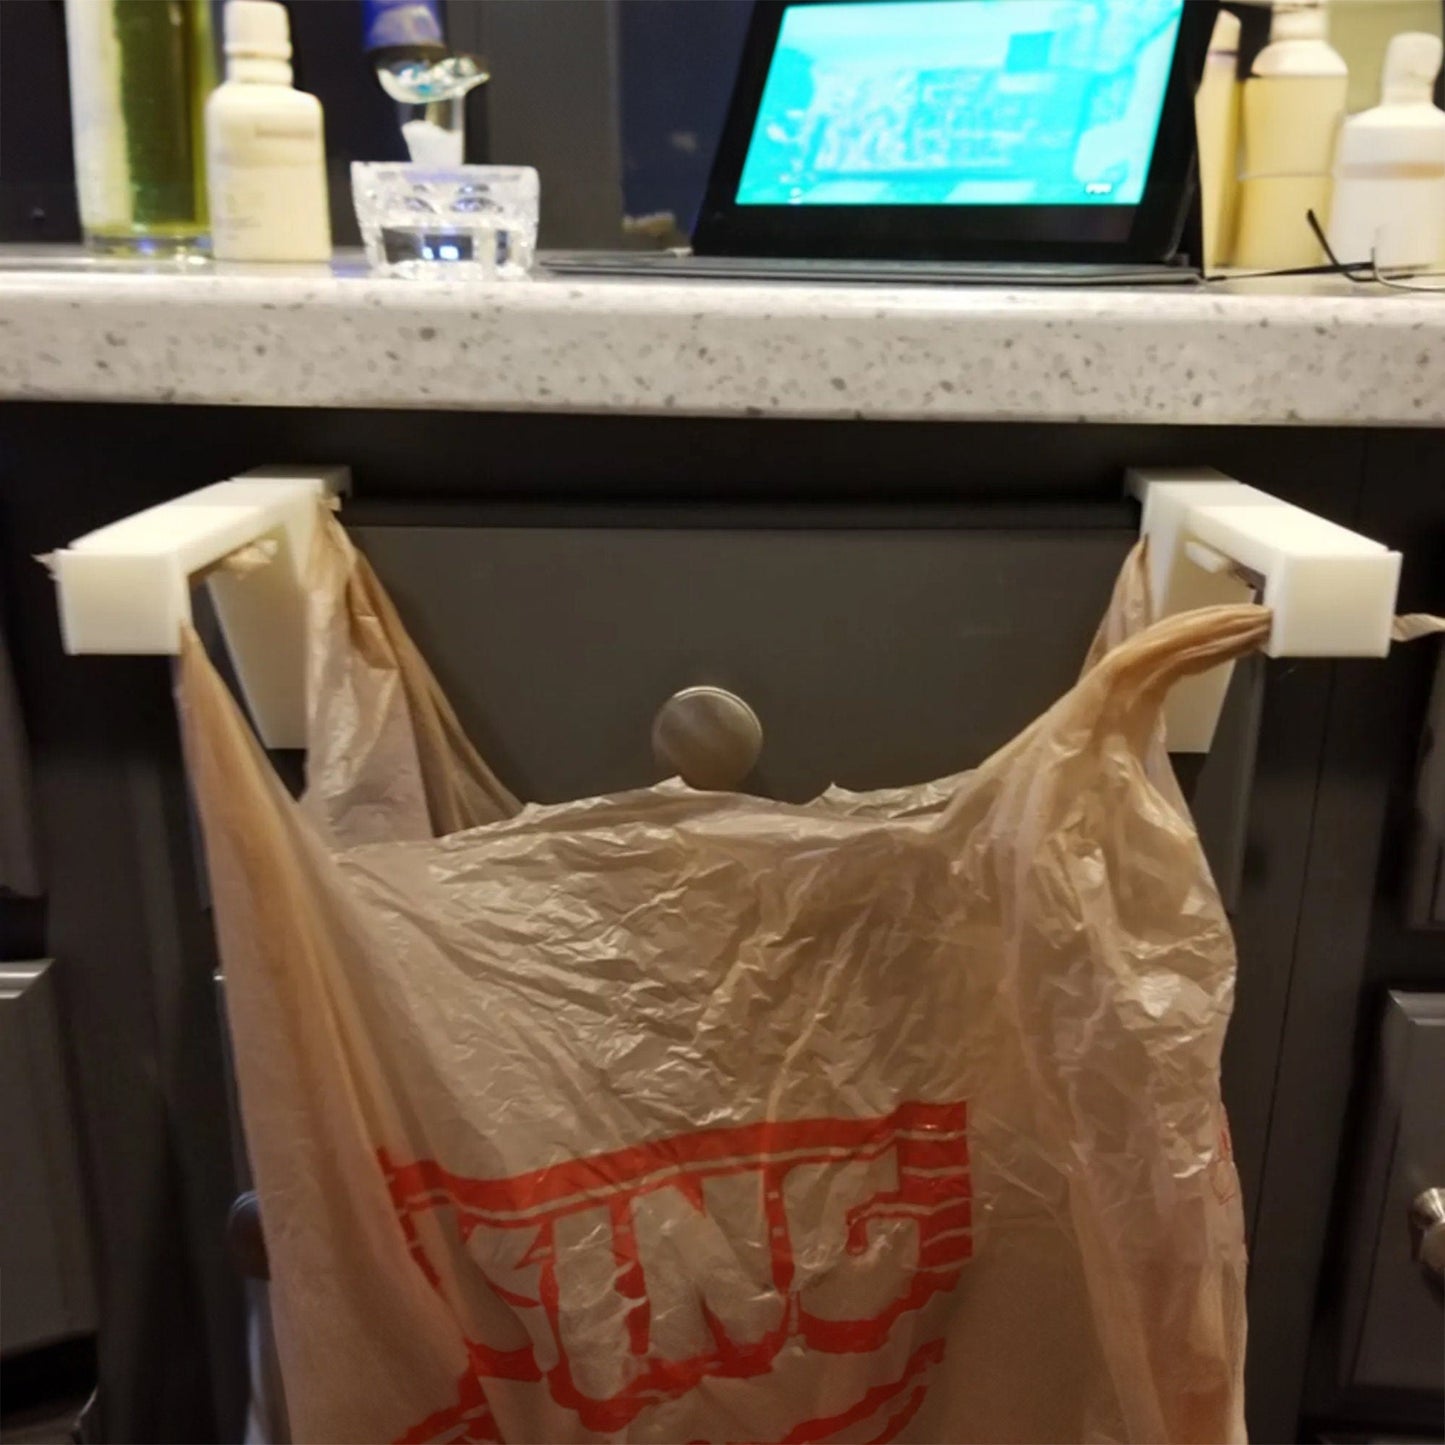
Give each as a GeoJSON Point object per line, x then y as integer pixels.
{"type": "Point", "coordinates": [1394, 1334]}
{"type": "Point", "coordinates": [892, 599]}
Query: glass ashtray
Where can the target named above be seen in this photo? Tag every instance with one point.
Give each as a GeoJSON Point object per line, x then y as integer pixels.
{"type": "Point", "coordinates": [467, 222]}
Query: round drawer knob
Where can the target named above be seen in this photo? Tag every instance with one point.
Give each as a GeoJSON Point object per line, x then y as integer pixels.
{"type": "Point", "coordinates": [708, 736]}
{"type": "Point", "coordinates": [1427, 1234]}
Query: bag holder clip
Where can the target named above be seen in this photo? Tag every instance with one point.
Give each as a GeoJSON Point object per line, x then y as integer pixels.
{"type": "Point", "coordinates": [126, 588]}
{"type": "Point", "coordinates": [1213, 540]}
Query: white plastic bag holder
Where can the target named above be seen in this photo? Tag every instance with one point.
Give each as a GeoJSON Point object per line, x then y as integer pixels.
{"type": "Point", "coordinates": [1213, 540]}
{"type": "Point", "coordinates": [126, 588]}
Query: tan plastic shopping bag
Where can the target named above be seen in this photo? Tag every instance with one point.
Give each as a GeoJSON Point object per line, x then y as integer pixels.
{"type": "Point", "coordinates": [680, 1116]}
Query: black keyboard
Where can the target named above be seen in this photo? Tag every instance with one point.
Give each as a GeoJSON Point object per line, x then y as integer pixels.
{"type": "Point", "coordinates": [684, 266]}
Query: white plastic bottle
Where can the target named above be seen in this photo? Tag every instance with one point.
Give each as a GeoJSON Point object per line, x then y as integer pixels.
{"type": "Point", "coordinates": [265, 150]}
{"type": "Point", "coordinates": [1294, 101]}
{"type": "Point", "coordinates": [1390, 167]}
{"type": "Point", "coordinates": [1216, 122]}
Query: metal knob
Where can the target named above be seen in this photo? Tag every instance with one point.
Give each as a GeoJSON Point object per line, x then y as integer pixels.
{"type": "Point", "coordinates": [243, 1234]}
{"type": "Point", "coordinates": [708, 736]}
{"type": "Point", "coordinates": [1427, 1234]}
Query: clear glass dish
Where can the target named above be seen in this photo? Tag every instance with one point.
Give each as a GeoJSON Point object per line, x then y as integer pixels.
{"type": "Point", "coordinates": [475, 222]}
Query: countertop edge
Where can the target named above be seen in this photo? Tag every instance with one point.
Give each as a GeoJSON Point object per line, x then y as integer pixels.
{"type": "Point", "coordinates": [1187, 357]}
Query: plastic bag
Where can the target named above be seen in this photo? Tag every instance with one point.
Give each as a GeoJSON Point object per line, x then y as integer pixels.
{"type": "Point", "coordinates": [681, 1116]}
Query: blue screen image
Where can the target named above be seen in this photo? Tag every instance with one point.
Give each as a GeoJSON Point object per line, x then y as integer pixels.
{"type": "Point", "coordinates": [962, 102]}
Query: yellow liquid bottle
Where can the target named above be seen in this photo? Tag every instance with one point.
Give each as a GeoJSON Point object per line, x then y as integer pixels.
{"type": "Point", "coordinates": [140, 72]}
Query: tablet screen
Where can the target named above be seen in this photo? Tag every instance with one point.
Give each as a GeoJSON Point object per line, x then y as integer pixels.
{"type": "Point", "coordinates": [962, 103]}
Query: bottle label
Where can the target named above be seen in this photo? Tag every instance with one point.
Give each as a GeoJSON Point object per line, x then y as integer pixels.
{"type": "Point", "coordinates": [270, 213]}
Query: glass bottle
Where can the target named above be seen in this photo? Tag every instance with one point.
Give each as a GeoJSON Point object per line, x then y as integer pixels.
{"type": "Point", "coordinates": [140, 72]}
{"type": "Point", "coordinates": [429, 84]}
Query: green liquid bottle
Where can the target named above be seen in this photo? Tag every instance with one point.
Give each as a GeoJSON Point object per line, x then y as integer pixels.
{"type": "Point", "coordinates": [140, 72]}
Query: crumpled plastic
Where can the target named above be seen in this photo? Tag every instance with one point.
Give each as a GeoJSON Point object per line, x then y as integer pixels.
{"type": "Point", "coordinates": [675, 1115]}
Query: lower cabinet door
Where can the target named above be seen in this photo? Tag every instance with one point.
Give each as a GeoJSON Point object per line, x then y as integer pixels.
{"type": "Point", "coordinates": [1394, 1335]}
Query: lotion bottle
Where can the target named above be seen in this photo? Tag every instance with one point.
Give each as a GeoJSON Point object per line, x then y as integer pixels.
{"type": "Point", "coordinates": [1390, 171]}
{"type": "Point", "coordinates": [1294, 101]}
{"type": "Point", "coordinates": [265, 150]}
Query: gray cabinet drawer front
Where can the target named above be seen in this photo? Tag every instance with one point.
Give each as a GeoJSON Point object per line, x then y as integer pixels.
{"type": "Point", "coordinates": [872, 658]}
{"type": "Point", "coordinates": [46, 1291]}
{"type": "Point", "coordinates": [1394, 1323]}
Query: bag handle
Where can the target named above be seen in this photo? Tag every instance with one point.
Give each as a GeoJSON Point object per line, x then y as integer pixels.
{"type": "Point", "coordinates": [1126, 682]}
{"type": "Point", "coordinates": [388, 757]}
{"type": "Point", "coordinates": [1148, 658]}
{"type": "Point", "coordinates": [1411, 626]}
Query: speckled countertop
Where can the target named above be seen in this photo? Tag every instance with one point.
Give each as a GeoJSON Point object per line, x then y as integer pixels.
{"type": "Point", "coordinates": [1323, 354]}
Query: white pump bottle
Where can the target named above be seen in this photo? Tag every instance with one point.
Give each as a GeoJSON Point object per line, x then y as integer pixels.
{"type": "Point", "coordinates": [1390, 166]}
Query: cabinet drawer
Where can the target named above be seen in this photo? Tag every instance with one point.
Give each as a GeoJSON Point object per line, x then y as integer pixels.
{"type": "Point", "coordinates": [46, 1292]}
{"type": "Point", "coordinates": [1394, 1323]}
{"type": "Point", "coordinates": [871, 657]}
